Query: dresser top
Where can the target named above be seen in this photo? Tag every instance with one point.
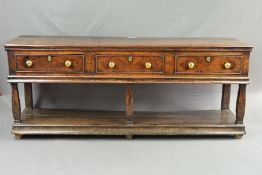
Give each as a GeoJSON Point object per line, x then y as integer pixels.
{"type": "Point", "coordinates": [123, 42]}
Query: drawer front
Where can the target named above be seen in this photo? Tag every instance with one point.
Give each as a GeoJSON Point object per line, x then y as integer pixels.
{"type": "Point", "coordinates": [50, 63]}
{"type": "Point", "coordinates": [209, 65]}
{"type": "Point", "coordinates": [129, 64]}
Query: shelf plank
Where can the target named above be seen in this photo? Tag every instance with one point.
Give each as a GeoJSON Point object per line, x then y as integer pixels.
{"type": "Point", "coordinates": [54, 117]}
{"type": "Point", "coordinates": [90, 118]}
{"type": "Point", "coordinates": [75, 122]}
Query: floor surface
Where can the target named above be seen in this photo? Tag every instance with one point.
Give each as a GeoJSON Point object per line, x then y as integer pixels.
{"type": "Point", "coordinates": [118, 156]}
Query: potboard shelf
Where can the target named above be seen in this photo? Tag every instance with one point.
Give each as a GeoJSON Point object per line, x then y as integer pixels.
{"type": "Point", "coordinates": [72, 122]}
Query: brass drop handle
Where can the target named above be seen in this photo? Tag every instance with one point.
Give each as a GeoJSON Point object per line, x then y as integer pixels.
{"type": "Point", "coordinates": [227, 65]}
{"type": "Point", "coordinates": [68, 63]}
{"type": "Point", "coordinates": [148, 65]}
{"type": "Point", "coordinates": [191, 65]}
{"type": "Point", "coordinates": [29, 63]}
{"type": "Point", "coordinates": [111, 64]}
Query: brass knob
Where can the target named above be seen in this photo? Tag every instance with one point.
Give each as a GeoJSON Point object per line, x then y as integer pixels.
{"type": "Point", "coordinates": [191, 65]}
{"type": "Point", "coordinates": [49, 58]}
{"type": "Point", "coordinates": [130, 58]}
{"type": "Point", "coordinates": [68, 63]}
{"type": "Point", "coordinates": [111, 64]}
{"type": "Point", "coordinates": [29, 63]}
{"type": "Point", "coordinates": [227, 65]}
{"type": "Point", "coordinates": [208, 59]}
{"type": "Point", "coordinates": [148, 65]}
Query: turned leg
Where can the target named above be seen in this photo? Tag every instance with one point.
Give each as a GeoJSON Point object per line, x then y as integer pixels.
{"type": "Point", "coordinates": [225, 101]}
{"type": "Point", "coordinates": [28, 96]}
{"type": "Point", "coordinates": [16, 109]}
{"type": "Point", "coordinates": [129, 105]}
{"type": "Point", "coordinates": [241, 102]}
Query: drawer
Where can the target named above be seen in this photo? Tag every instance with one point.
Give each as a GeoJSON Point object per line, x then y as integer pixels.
{"type": "Point", "coordinates": [129, 64]}
{"type": "Point", "coordinates": [209, 64]}
{"type": "Point", "coordinates": [50, 63]}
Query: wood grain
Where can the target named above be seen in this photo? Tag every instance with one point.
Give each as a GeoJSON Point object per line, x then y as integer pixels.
{"type": "Point", "coordinates": [123, 42]}
{"type": "Point", "coordinates": [16, 109]}
{"type": "Point", "coordinates": [55, 65]}
{"type": "Point", "coordinates": [241, 103]}
{"type": "Point", "coordinates": [225, 102]}
{"type": "Point", "coordinates": [28, 95]}
{"type": "Point", "coordinates": [113, 123]}
{"type": "Point", "coordinates": [214, 66]}
{"type": "Point", "coordinates": [129, 105]}
{"type": "Point", "coordinates": [123, 65]}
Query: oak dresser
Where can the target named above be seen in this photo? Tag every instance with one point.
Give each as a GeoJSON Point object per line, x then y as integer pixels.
{"type": "Point", "coordinates": [68, 59]}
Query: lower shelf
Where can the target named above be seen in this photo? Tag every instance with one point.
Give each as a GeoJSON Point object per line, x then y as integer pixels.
{"type": "Point", "coordinates": [69, 122]}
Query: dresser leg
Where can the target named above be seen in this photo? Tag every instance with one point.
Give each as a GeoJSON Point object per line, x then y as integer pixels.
{"type": "Point", "coordinates": [129, 105]}
{"type": "Point", "coordinates": [16, 109]}
{"type": "Point", "coordinates": [238, 136]}
{"type": "Point", "coordinates": [18, 136]}
{"type": "Point", "coordinates": [28, 95]}
{"type": "Point", "coordinates": [129, 136]}
{"type": "Point", "coordinates": [241, 102]}
{"type": "Point", "coordinates": [225, 101]}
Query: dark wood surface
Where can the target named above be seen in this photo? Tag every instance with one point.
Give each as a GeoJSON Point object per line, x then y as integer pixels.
{"type": "Point", "coordinates": [16, 107]}
{"type": "Point", "coordinates": [129, 105]}
{"type": "Point", "coordinates": [120, 60]}
{"type": "Point", "coordinates": [210, 122]}
{"type": "Point", "coordinates": [62, 117]}
{"type": "Point", "coordinates": [56, 65]}
{"type": "Point", "coordinates": [214, 66]}
{"type": "Point", "coordinates": [241, 103]}
{"type": "Point", "coordinates": [120, 42]}
{"type": "Point", "coordinates": [225, 102]}
{"type": "Point", "coordinates": [169, 58]}
{"type": "Point", "coordinates": [123, 65]}
{"type": "Point", "coordinates": [28, 95]}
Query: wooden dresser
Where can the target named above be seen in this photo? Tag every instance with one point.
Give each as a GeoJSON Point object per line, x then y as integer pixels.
{"type": "Point", "coordinates": [65, 59]}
